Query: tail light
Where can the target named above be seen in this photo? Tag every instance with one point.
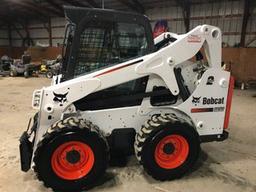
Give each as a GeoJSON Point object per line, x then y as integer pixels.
{"type": "Point", "coordinates": [229, 100]}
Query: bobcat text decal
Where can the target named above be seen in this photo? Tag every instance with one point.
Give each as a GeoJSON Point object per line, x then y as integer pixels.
{"type": "Point", "coordinates": [213, 101]}
{"type": "Point", "coordinates": [207, 101]}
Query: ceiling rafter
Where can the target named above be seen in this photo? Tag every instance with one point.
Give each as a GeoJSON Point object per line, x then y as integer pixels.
{"type": "Point", "coordinates": [47, 10]}
{"type": "Point", "coordinates": [26, 14]}
{"type": "Point", "coordinates": [248, 10]}
{"type": "Point", "coordinates": [139, 5]}
{"type": "Point", "coordinates": [185, 6]}
{"type": "Point", "coordinates": [55, 5]}
{"type": "Point", "coordinates": [131, 5]}
{"type": "Point", "coordinates": [17, 30]}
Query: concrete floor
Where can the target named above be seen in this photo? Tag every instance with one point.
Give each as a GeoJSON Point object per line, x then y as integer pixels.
{"type": "Point", "coordinates": [224, 166]}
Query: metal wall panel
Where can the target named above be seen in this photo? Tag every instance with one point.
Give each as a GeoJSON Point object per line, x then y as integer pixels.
{"type": "Point", "coordinates": [3, 37]}
{"type": "Point", "coordinates": [4, 42]}
{"type": "Point", "coordinates": [17, 43]}
{"type": "Point", "coordinates": [3, 33]}
{"type": "Point", "coordinates": [227, 15]}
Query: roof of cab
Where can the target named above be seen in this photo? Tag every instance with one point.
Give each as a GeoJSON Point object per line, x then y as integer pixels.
{"type": "Point", "coordinates": [76, 14]}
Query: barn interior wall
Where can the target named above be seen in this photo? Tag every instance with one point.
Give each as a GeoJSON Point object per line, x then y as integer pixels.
{"type": "Point", "coordinates": [227, 15]}
{"type": "Point", "coordinates": [240, 61]}
{"type": "Point", "coordinates": [37, 32]}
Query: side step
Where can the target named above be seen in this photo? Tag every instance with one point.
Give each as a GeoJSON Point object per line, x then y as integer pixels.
{"type": "Point", "coordinates": [210, 138]}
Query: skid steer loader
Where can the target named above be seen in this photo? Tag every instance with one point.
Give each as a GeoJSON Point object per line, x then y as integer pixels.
{"type": "Point", "coordinates": [121, 92]}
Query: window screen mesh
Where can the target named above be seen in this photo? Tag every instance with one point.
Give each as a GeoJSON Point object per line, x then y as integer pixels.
{"type": "Point", "coordinates": [104, 45]}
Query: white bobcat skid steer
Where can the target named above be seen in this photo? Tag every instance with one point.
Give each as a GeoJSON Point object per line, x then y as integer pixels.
{"type": "Point", "coordinates": [120, 93]}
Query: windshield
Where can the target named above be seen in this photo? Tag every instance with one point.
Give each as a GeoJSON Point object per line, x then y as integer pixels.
{"type": "Point", "coordinates": [66, 47]}
{"type": "Point", "coordinates": [107, 43]}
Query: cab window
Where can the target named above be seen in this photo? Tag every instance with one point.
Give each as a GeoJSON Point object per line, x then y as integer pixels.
{"type": "Point", "coordinates": [106, 43]}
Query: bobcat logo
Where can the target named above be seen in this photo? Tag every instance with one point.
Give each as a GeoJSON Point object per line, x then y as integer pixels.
{"type": "Point", "coordinates": [60, 98]}
{"type": "Point", "coordinates": [196, 100]}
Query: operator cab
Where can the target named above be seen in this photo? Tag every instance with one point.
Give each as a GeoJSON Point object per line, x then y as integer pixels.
{"type": "Point", "coordinates": [99, 38]}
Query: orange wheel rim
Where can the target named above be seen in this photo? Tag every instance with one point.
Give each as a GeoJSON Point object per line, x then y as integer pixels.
{"type": "Point", "coordinates": [171, 151]}
{"type": "Point", "coordinates": [72, 160]}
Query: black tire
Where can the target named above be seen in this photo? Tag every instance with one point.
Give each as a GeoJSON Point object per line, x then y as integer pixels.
{"type": "Point", "coordinates": [70, 129]}
{"type": "Point", "coordinates": [26, 74]}
{"type": "Point", "coordinates": [153, 132]}
{"type": "Point", "coordinates": [13, 73]}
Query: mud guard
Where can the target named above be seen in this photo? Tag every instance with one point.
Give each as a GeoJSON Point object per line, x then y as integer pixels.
{"type": "Point", "coordinates": [27, 143]}
{"type": "Point", "coordinates": [26, 150]}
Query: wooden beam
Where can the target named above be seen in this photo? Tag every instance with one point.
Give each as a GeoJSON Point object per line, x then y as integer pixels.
{"type": "Point", "coordinates": [251, 41]}
{"type": "Point", "coordinates": [130, 5]}
{"type": "Point", "coordinates": [186, 14]}
{"type": "Point", "coordinates": [50, 31]}
{"type": "Point", "coordinates": [28, 10]}
{"type": "Point", "coordinates": [44, 27]}
{"type": "Point", "coordinates": [55, 5]}
{"type": "Point", "coordinates": [27, 38]}
{"type": "Point", "coordinates": [238, 33]}
{"type": "Point", "coordinates": [138, 4]}
{"type": "Point", "coordinates": [17, 30]}
{"type": "Point", "coordinates": [10, 35]}
{"type": "Point", "coordinates": [204, 17]}
{"type": "Point", "coordinates": [31, 7]}
{"type": "Point", "coordinates": [45, 9]}
{"type": "Point", "coordinates": [48, 28]}
{"type": "Point", "coordinates": [185, 6]}
{"type": "Point", "coordinates": [246, 16]}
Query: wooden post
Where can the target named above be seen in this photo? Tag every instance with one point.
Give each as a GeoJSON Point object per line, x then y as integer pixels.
{"type": "Point", "coordinates": [246, 16]}
{"type": "Point", "coordinates": [186, 14]}
{"type": "Point", "coordinates": [50, 31]}
{"type": "Point", "coordinates": [10, 35]}
{"type": "Point", "coordinates": [10, 39]}
{"type": "Point", "coordinates": [185, 6]}
{"type": "Point", "coordinates": [27, 38]}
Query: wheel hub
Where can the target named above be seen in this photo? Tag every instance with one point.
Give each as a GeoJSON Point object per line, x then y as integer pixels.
{"type": "Point", "coordinates": [168, 148]}
{"type": "Point", "coordinates": [72, 160]}
{"type": "Point", "coordinates": [171, 151]}
{"type": "Point", "coordinates": [73, 156]}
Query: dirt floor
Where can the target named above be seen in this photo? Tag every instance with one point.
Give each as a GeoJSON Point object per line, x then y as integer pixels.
{"type": "Point", "coordinates": [224, 166]}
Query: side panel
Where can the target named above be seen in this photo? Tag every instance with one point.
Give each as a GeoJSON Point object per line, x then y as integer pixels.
{"type": "Point", "coordinates": [206, 106]}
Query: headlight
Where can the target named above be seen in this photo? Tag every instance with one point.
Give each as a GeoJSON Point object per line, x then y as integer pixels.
{"type": "Point", "coordinates": [36, 100]}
